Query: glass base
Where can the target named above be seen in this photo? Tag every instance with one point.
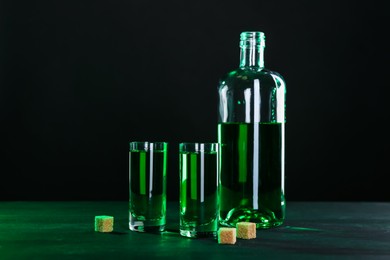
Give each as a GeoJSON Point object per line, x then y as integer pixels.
{"type": "Point", "coordinates": [197, 234]}
{"type": "Point", "coordinates": [262, 218]}
{"type": "Point", "coordinates": [151, 229]}
{"type": "Point", "coordinates": [146, 226]}
{"type": "Point", "coordinates": [259, 225]}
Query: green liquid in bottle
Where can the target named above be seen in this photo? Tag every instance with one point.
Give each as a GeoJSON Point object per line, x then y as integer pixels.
{"type": "Point", "coordinates": [251, 173]}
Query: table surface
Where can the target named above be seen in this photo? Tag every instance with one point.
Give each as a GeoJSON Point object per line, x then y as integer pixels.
{"type": "Point", "coordinates": [312, 230]}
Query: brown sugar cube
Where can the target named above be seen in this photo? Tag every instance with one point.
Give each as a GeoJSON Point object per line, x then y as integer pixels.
{"type": "Point", "coordinates": [246, 230]}
{"type": "Point", "coordinates": [227, 235]}
{"type": "Point", "coordinates": [104, 223]}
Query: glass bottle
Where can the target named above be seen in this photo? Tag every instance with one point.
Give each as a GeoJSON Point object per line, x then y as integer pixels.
{"type": "Point", "coordinates": [251, 125]}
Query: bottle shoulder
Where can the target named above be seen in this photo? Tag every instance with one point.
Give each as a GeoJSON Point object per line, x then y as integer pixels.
{"type": "Point", "coordinates": [245, 76]}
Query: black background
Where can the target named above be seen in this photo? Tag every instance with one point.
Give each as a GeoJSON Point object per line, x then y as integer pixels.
{"type": "Point", "coordinates": [80, 79]}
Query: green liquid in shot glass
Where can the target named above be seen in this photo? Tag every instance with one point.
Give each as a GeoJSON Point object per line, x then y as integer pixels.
{"type": "Point", "coordinates": [147, 203]}
{"type": "Point", "coordinates": [199, 202]}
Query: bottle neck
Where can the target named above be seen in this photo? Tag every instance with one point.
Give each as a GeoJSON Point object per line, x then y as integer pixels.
{"type": "Point", "coordinates": [252, 57]}
{"type": "Point", "coordinates": [252, 49]}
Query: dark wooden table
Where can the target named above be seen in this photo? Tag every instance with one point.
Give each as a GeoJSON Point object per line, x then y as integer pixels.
{"type": "Point", "coordinates": [313, 230]}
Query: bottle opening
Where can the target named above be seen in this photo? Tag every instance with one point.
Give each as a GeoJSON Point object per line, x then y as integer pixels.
{"type": "Point", "coordinates": [252, 39]}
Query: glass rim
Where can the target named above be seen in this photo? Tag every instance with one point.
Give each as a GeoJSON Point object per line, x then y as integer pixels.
{"type": "Point", "coordinates": [143, 142]}
{"type": "Point", "coordinates": [251, 39]}
{"type": "Point", "coordinates": [252, 34]}
{"type": "Point", "coordinates": [199, 147]}
{"type": "Point", "coordinates": [148, 146]}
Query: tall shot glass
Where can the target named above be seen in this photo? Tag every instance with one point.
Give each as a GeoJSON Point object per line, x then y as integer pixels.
{"type": "Point", "coordinates": [199, 189]}
{"type": "Point", "coordinates": [147, 186]}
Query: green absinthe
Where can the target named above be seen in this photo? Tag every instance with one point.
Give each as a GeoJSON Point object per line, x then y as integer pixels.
{"type": "Point", "coordinates": [252, 177]}
{"type": "Point", "coordinates": [147, 205]}
{"type": "Point", "coordinates": [199, 184]}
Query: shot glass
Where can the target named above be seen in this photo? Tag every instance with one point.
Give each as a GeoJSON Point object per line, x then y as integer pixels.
{"type": "Point", "coordinates": [147, 186]}
{"type": "Point", "coordinates": [199, 189]}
